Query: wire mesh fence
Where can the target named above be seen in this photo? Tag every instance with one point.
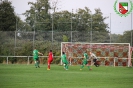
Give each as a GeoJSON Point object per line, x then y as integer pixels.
{"type": "Point", "coordinates": [26, 40]}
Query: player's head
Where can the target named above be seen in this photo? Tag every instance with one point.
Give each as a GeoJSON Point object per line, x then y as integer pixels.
{"type": "Point", "coordinates": [90, 52]}
{"type": "Point", "coordinates": [34, 47]}
{"type": "Point", "coordinates": [50, 50]}
{"type": "Point", "coordinates": [63, 52]}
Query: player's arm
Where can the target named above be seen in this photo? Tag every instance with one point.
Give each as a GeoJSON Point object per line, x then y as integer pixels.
{"type": "Point", "coordinates": [40, 53]}
{"type": "Point", "coordinates": [94, 56]}
{"type": "Point", "coordinates": [91, 56]}
{"type": "Point", "coordinates": [84, 56]}
{"type": "Point", "coordinates": [52, 55]}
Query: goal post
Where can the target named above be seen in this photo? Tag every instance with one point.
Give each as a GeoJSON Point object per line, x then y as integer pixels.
{"type": "Point", "coordinates": [116, 54]}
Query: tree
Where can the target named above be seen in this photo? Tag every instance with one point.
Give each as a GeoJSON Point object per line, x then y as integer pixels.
{"type": "Point", "coordinates": [7, 17]}
{"type": "Point", "coordinates": [99, 27]}
{"type": "Point", "coordinates": [98, 21]}
{"type": "Point", "coordinates": [122, 38]}
{"type": "Point", "coordinates": [54, 5]}
{"type": "Point", "coordinates": [38, 16]}
{"type": "Point", "coordinates": [83, 17]}
{"type": "Point", "coordinates": [62, 21]}
{"type": "Point", "coordinates": [22, 26]}
{"type": "Point", "coordinates": [116, 38]}
{"type": "Point", "coordinates": [65, 38]}
{"type": "Point", "coordinates": [126, 38]}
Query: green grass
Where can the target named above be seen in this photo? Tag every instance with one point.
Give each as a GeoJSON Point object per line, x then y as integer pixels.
{"type": "Point", "coordinates": [27, 76]}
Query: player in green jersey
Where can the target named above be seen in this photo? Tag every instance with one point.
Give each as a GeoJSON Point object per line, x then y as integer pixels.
{"type": "Point", "coordinates": [64, 60]}
{"type": "Point", "coordinates": [36, 58]}
{"type": "Point", "coordinates": [85, 61]}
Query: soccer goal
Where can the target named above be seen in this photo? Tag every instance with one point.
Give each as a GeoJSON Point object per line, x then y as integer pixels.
{"type": "Point", "coordinates": [115, 54]}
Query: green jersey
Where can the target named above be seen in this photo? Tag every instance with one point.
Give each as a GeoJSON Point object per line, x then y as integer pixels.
{"type": "Point", "coordinates": [63, 57]}
{"type": "Point", "coordinates": [85, 56]}
{"type": "Point", "coordinates": [35, 54]}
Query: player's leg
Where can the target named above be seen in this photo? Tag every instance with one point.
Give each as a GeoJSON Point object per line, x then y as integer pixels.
{"type": "Point", "coordinates": [95, 63]}
{"type": "Point", "coordinates": [64, 64]}
{"type": "Point", "coordinates": [37, 62]}
{"type": "Point", "coordinates": [66, 67]}
{"type": "Point", "coordinates": [49, 62]}
{"type": "Point", "coordinates": [88, 66]}
{"type": "Point", "coordinates": [94, 60]}
{"type": "Point", "coordinates": [82, 66]}
{"type": "Point", "coordinates": [35, 59]}
{"type": "Point", "coordinates": [48, 65]}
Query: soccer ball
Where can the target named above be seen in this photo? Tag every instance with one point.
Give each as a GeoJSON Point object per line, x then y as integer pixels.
{"type": "Point", "coordinates": [64, 64]}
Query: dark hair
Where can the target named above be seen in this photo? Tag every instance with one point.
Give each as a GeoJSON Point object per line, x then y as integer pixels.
{"type": "Point", "coordinates": [63, 52]}
{"type": "Point", "coordinates": [50, 50]}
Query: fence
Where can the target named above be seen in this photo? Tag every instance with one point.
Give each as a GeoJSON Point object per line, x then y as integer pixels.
{"type": "Point", "coordinates": [21, 43]}
{"type": "Point", "coordinates": [104, 61]}
{"type": "Point", "coordinates": [29, 59]}
{"type": "Point", "coordinates": [15, 43]}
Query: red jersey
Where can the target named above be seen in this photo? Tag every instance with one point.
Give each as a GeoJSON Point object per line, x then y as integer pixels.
{"type": "Point", "coordinates": [50, 55]}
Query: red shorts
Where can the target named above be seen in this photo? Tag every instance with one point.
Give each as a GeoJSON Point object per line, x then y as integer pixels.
{"type": "Point", "coordinates": [49, 61]}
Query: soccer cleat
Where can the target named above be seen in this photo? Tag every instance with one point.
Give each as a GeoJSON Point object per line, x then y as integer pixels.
{"type": "Point", "coordinates": [48, 69]}
{"type": "Point", "coordinates": [96, 65]}
{"type": "Point", "coordinates": [80, 69]}
{"type": "Point", "coordinates": [90, 69]}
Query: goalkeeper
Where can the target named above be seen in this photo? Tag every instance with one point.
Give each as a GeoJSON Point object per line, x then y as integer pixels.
{"type": "Point", "coordinates": [94, 59]}
{"type": "Point", "coordinates": [64, 60]}
{"type": "Point", "coordinates": [85, 61]}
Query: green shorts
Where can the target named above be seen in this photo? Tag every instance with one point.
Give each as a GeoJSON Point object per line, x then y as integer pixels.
{"type": "Point", "coordinates": [36, 59]}
{"type": "Point", "coordinates": [65, 62]}
{"type": "Point", "coordinates": [85, 62]}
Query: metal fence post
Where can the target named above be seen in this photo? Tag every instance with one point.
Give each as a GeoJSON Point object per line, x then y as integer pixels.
{"type": "Point", "coordinates": [131, 31]}
{"type": "Point", "coordinates": [71, 24]}
{"type": "Point", "coordinates": [110, 27]}
{"type": "Point", "coordinates": [52, 31]}
{"type": "Point", "coordinates": [28, 61]}
{"type": "Point", "coordinates": [7, 60]}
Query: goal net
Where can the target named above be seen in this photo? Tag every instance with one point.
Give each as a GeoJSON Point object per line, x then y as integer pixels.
{"type": "Point", "coordinates": [115, 54]}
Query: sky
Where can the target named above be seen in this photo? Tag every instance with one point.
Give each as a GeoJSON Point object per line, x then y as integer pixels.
{"type": "Point", "coordinates": [116, 23]}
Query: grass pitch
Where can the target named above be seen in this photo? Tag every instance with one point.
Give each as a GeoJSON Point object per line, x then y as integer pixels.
{"type": "Point", "coordinates": [27, 76]}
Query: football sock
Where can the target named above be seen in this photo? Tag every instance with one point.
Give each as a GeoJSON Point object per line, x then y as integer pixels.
{"type": "Point", "coordinates": [66, 66]}
{"type": "Point", "coordinates": [82, 66]}
{"type": "Point", "coordinates": [49, 66]}
{"type": "Point", "coordinates": [88, 67]}
{"type": "Point", "coordinates": [37, 64]}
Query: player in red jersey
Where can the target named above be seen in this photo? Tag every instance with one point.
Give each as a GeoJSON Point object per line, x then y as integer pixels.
{"type": "Point", "coordinates": [50, 59]}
